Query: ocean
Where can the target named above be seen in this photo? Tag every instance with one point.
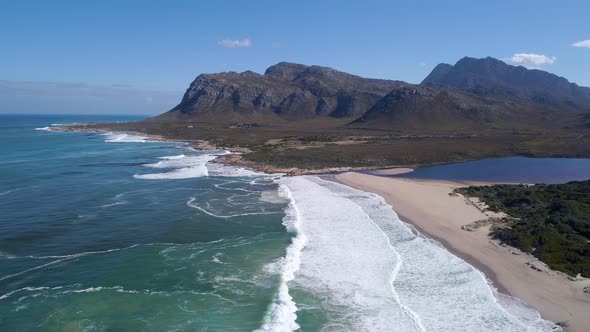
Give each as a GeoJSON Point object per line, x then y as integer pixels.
{"type": "Point", "coordinates": [113, 232]}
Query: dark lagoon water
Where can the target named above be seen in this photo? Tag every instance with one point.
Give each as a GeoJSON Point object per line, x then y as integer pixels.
{"type": "Point", "coordinates": [510, 170]}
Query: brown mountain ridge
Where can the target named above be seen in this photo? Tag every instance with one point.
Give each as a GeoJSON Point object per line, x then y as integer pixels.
{"type": "Point", "coordinates": [296, 118]}
{"type": "Point", "coordinates": [472, 94]}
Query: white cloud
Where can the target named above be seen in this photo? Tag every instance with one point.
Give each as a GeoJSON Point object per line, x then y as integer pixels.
{"type": "Point", "coordinates": [583, 43]}
{"type": "Point", "coordinates": [532, 59]}
{"type": "Point", "coordinates": [233, 43]}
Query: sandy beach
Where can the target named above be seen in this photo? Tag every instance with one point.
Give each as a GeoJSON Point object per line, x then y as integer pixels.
{"type": "Point", "coordinates": [428, 205]}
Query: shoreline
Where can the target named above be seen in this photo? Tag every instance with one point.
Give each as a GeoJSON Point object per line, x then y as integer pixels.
{"type": "Point", "coordinates": [572, 312]}
{"type": "Point", "coordinates": [235, 158]}
{"type": "Point", "coordinates": [197, 144]}
{"type": "Point", "coordinates": [486, 270]}
{"type": "Point", "coordinates": [520, 275]}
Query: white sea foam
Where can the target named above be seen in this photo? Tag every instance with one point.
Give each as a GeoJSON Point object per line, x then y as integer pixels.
{"type": "Point", "coordinates": [11, 191]}
{"type": "Point", "coordinates": [43, 129]}
{"type": "Point", "coordinates": [117, 289]}
{"type": "Point", "coordinates": [371, 272]}
{"type": "Point", "coordinates": [216, 169]}
{"type": "Point", "coordinates": [282, 314]}
{"type": "Point", "coordinates": [186, 167]}
{"type": "Point", "coordinates": [271, 196]}
{"type": "Point", "coordinates": [124, 138]}
{"type": "Point", "coordinates": [75, 289]}
{"type": "Point", "coordinates": [64, 258]}
{"type": "Point", "coordinates": [24, 289]}
{"type": "Point", "coordinates": [215, 258]}
{"type": "Point", "coordinates": [113, 204]}
{"type": "Point", "coordinates": [180, 156]}
{"type": "Point", "coordinates": [32, 269]}
{"type": "Point", "coordinates": [181, 168]}
{"type": "Point", "coordinates": [4, 254]}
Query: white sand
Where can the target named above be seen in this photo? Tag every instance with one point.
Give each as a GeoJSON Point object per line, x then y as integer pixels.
{"type": "Point", "coordinates": [393, 171]}
{"type": "Point", "coordinates": [428, 205]}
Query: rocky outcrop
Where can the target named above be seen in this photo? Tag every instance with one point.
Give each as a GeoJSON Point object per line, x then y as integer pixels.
{"type": "Point", "coordinates": [286, 92]}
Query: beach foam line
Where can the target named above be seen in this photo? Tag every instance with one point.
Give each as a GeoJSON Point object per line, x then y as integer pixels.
{"type": "Point", "coordinates": [370, 272]}
{"type": "Point", "coordinates": [347, 264]}
{"type": "Point", "coordinates": [515, 311]}
{"type": "Point", "coordinates": [282, 315]}
{"type": "Point", "coordinates": [409, 312]}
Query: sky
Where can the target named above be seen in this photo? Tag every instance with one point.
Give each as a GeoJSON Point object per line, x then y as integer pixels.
{"type": "Point", "coordinates": [140, 56]}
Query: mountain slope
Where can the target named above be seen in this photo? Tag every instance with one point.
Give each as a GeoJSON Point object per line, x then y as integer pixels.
{"type": "Point", "coordinates": [492, 77]}
{"type": "Point", "coordinates": [438, 74]}
{"type": "Point", "coordinates": [286, 92]}
{"type": "Point", "coordinates": [474, 94]}
{"type": "Point", "coordinates": [432, 109]}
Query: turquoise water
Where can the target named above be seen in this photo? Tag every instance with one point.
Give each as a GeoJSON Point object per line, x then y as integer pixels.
{"type": "Point", "coordinates": [86, 246]}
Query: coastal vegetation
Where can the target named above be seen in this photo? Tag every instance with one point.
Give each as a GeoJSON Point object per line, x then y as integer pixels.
{"type": "Point", "coordinates": [552, 222]}
{"type": "Point", "coordinates": [317, 145]}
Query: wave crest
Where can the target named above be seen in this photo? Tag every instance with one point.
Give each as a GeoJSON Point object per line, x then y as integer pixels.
{"type": "Point", "coordinates": [282, 314]}
{"type": "Point", "coordinates": [124, 138]}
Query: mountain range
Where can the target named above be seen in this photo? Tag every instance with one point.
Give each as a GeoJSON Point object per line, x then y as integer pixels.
{"type": "Point", "coordinates": [473, 93]}
{"type": "Point", "coordinates": [495, 78]}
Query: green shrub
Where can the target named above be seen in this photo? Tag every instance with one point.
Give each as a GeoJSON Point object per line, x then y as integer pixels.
{"type": "Point", "coordinates": [552, 222]}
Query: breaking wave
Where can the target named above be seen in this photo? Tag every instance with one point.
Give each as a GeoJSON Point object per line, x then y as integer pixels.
{"type": "Point", "coordinates": [282, 314]}
{"type": "Point", "coordinates": [186, 166]}
{"type": "Point", "coordinates": [124, 138]}
{"type": "Point", "coordinates": [369, 271]}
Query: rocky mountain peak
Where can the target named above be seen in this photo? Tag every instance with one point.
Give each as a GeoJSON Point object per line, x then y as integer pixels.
{"type": "Point", "coordinates": [285, 70]}
{"type": "Point", "coordinates": [493, 77]}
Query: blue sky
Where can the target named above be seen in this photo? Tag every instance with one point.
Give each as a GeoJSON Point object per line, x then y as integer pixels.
{"type": "Point", "coordinates": [160, 46]}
